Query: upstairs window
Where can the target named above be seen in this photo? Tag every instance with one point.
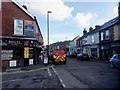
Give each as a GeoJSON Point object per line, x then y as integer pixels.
{"type": "Point", "coordinates": [107, 35]}
{"type": "Point", "coordinates": [93, 40]}
{"type": "Point", "coordinates": [101, 36]}
{"type": "Point", "coordinates": [18, 26]}
{"type": "Point", "coordinates": [0, 5]}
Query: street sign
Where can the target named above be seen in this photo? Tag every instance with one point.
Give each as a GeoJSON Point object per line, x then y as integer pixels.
{"type": "Point", "coordinates": [45, 60]}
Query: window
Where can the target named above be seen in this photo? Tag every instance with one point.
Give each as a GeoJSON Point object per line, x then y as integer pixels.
{"type": "Point", "coordinates": [116, 56]}
{"type": "Point", "coordinates": [6, 54]}
{"type": "Point", "coordinates": [0, 5]}
{"type": "Point", "coordinates": [18, 26]}
{"type": "Point", "coordinates": [107, 35]}
{"type": "Point", "coordinates": [93, 39]}
{"type": "Point", "coordinates": [101, 36]}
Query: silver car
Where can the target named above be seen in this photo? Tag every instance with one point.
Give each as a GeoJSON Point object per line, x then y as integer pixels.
{"type": "Point", "coordinates": [115, 61]}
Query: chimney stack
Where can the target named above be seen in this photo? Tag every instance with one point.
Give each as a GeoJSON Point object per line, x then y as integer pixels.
{"type": "Point", "coordinates": [24, 6]}
{"type": "Point", "coordinates": [84, 31]}
{"type": "Point", "coordinates": [97, 26]}
{"type": "Point", "coordinates": [90, 29]}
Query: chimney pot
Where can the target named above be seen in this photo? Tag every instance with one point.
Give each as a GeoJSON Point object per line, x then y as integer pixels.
{"type": "Point", "coordinates": [84, 31]}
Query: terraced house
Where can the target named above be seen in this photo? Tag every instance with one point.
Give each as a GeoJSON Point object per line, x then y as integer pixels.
{"type": "Point", "coordinates": [21, 38]}
{"type": "Point", "coordinates": [110, 37]}
{"type": "Point", "coordinates": [103, 41]}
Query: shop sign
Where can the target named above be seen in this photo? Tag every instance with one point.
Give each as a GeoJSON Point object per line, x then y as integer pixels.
{"type": "Point", "coordinates": [13, 63]}
{"type": "Point", "coordinates": [12, 42]}
{"type": "Point", "coordinates": [6, 54]}
{"type": "Point", "coordinates": [18, 26]}
{"type": "Point", "coordinates": [26, 52]}
{"type": "Point", "coordinates": [29, 28]}
{"type": "Point", "coordinates": [30, 61]}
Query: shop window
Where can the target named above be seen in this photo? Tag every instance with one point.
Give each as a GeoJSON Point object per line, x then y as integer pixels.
{"type": "Point", "coordinates": [6, 54]}
{"type": "Point", "coordinates": [30, 52]}
{"type": "Point", "coordinates": [17, 54]}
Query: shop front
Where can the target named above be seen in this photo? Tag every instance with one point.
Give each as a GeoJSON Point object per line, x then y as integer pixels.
{"type": "Point", "coordinates": [95, 51]}
{"type": "Point", "coordinates": [19, 52]}
{"type": "Point", "coordinates": [12, 52]}
{"type": "Point", "coordinates": [108, 50]}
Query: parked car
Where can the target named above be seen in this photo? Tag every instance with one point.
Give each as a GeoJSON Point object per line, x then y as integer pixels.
{"type": "Point", "coordinates": [73, 55]}
{"type": "Point", "coordinates": [115, 61]}
{"type": "Point", "coordinates": [68, 54]}
{"type": "Point", "coordinates": [83, 56]}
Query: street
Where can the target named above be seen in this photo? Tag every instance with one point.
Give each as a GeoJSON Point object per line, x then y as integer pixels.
{"type": "Point", "coordinates": [73, 74]}
{"type": "Point", "coordinates": [45, 78]}
{"type": "Point", "coordinates": [88, 74]}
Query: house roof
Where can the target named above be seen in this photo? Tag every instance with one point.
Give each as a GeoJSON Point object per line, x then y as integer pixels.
{"type": "Point", "coordinates": [76, 38]}
{"type": "Point", "coordinates": [27, 12]}
{"type": "Point", "coordinates": [110, 23]}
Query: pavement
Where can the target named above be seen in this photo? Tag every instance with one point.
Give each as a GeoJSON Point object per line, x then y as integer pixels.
{"type": "Point", "coordinates": [39, 66]}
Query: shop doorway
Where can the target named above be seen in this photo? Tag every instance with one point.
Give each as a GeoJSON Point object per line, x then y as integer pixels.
{"type": "Point", "coordinates": [26, 62]}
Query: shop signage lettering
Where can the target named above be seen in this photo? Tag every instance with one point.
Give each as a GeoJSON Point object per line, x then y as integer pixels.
{"type": "Point", "coordinates": [12, 42]}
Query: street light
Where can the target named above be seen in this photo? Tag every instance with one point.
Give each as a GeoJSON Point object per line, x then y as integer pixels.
{"type": "Point", "coordinates": [48, 34]}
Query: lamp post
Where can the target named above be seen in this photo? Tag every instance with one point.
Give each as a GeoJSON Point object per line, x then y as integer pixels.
{"type": "Point", "coordinates": [48, 34]}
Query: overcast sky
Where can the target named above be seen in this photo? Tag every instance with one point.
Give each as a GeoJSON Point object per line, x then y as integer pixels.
{"type": "Point", "coordinates": [70, 17]}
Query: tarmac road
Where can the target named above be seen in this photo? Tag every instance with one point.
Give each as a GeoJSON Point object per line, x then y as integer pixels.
{"type": "Point", "coordinates": [73, 74]}
{"type": "Point", "coordinates": [88, 74]}
{"type": "Point", "coordinates": [37, 78]}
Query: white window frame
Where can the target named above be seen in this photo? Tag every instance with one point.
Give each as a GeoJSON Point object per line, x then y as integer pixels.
{"type": "Point", "coordinates": [16, 27]}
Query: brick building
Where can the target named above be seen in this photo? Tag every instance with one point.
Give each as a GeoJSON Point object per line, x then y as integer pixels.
{"type": "Point", "coordinates": [21, 38]}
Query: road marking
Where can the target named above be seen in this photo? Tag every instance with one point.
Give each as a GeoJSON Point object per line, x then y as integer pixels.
{"type": "Point", "coordinates": [61, 81]}
{"type": "Point", "coordinates": [49, 72]}
{"type": "Point", "coordinates": [63, 85]}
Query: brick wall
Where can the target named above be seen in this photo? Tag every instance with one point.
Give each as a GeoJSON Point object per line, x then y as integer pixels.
{"type": "Point", "coordinates": [9, 12]}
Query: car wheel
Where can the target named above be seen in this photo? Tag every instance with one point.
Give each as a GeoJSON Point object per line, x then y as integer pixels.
{"type": "Point", "coordinates": [111, 65]}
